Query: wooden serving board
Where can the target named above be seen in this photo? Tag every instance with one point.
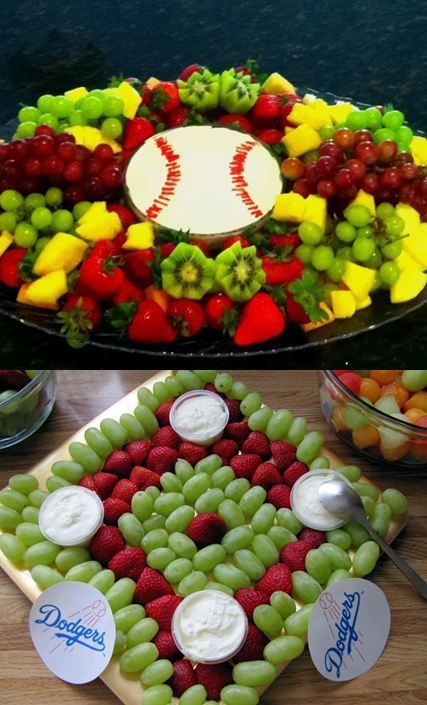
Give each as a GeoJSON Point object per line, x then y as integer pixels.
{"type": "Point", "coordinates": [128, 688]}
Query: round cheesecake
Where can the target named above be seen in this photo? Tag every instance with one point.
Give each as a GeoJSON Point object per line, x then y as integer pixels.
{"type": "Point", "coordinates": [206, 180]}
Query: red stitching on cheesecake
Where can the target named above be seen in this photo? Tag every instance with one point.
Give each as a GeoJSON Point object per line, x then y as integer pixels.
{"type": "Point", "coordinates": [237, 171]}
{"type": "Point", "coordinates": [173, 177]}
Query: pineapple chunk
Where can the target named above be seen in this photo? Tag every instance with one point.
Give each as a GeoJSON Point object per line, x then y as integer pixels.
{"type": "Point", "coordinates": [415, 245]}
{"type": "Point", "coordinates": [91, 137]}
{"type": "Point", "coordinates": [63, 251]}
{"type": "Point", "coordinates": [343, 303]}
{"type": "Point", "coordinates": [410, 283]}
{"type": "Point", "coordinates": [419, 149]}
{"type": "Point", "coordinates": [359, 280]}
{"type": "Point", "coordinates": [340, 112]}
{"type": "Point", "coordinates": [364, 303]}
{"type": "Point", "coordinates": [316, 210]}
{"type": "Point", "coordinates": [46, 291]}
{"type": "Point", "coordinates": [131, 99]}
{"type": "Point", "coordinates": [23, 298]}
{"type": "Point", "coordinates": [303, 139]}
{"type": "Point", "coordinates": [364, 199]}
{"type": "Point", "coordinates": [289, 208]}
{"type": "Point", "coordinates": [410, 216]}
{"type": "Point", "coordinates": [307, 115]}
{"type": "Point", "coordinates": [152, 82]}
{"type": "Point", "coordinates": [104, 227]}
{"type": "Point", "coordinates": [139, 236]}
{"type": "Point", "coordinates": [6, 240]}
{"type": "Point", "coordinates": [277, 84]}
{"type": "Point", "coordinates": [76, 94]}
{"type": "Point", "coordinates": [97, 209]}
{"type": "Point", "coordinates": [405, 261]}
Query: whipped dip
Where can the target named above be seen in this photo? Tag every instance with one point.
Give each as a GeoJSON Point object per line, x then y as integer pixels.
{"type": "Point", "coordinates": [209, 626]}
{"type": "Point", "coordinates": [306, 503]}
{"type": "Point", "coordinates": [71, 516]}
{"type": "Point", "coordinates": [199, 416]}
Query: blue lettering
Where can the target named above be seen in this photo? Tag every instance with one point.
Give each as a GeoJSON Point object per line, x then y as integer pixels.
{"type": "Point", "coordinates": [346, 632]}
{"type": "Point", "coordinates": [71, 632]}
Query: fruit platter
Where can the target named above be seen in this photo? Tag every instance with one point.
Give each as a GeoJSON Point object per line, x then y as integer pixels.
{"type": "Point", "coordinates": [157, 215]}
{"type": "Point", "coordinates": [191, 522]}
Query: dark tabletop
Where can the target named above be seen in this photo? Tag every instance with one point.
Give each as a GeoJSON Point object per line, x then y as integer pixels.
{"type": "Point", "coordinates": [373, 51]}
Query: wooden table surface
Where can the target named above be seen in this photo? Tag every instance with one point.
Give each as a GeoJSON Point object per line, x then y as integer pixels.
{"type": "Point", "coordinates": [400, 675]}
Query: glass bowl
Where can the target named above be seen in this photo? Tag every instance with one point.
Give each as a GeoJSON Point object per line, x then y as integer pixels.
{"type": "Point", "coordinates": [370, 432]}
{"type": "Point", "coordinates": [22, 414]}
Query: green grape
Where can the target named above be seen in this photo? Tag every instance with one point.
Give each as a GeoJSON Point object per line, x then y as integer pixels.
{"type": "Point", "coordinates": [69, 557]}
{"type": "Point", "coordinates": [53, 196]}
{"type": "Point", "coordinates": [173, 386]}
{"type": "Point", "coordinates": [183, 470]}
{"type": "Point", "coordinates": [45, 576]}
{"type": "Point", "coordinates": [111, 128]}
{"type": "Point", "coordinates": [322, 257]}
{"type": "Point", "coordinates": [68, 470]}
{"type": "Point", "coordinates": [207, 558]}
{"type": "Point", "coordinates": [280, 536]}
{"type": "Point", "coordinates": [297, 430]}
{"type": "Point", "coordinates": [358, 215]}
{"type": "Point", "coordinates": [147, 419]}
{"type": "Point", "coordinates": [383, 134]}
{"type": "Point", "coordinates": [357, 534]}
{"type": "Point", "coordinates": [167, 503]}
{"type": "Point", "coordinates": [61, 106]}
{"type": "Point", "coordinates": [310, 233]}
{"type": "Point", "coordinates": [188, 380]}
{"type": "Point", "coordinates": [209, 465]}
{"type": "Point", "coordinates": [182, 545]}
{"type": "Point", "coordinates": [147, 398]}
{"type": "Point", "coordinates": [392, 250]}
{"type": "Point", "coordinates": [196, 486]}
{"type": "Point", "coordinates": [394, 225]}
{"type": "Point", "coordinates": [25, 235]}
{"type": "Point", "coordinates": [338, 575]}
{"type": "Point", "coordinates": [345, 253]}
{"type": "Point", "coordinates": [41, 553]}
{"type": "Point", "coordinates": [253, 673]}
{"type": "Point", "coordinates": [196, 695]}
{"type": "Point", "coordinates": [44, 103]}
{"type": "Point", "coordinates": [54, 483]}
{"type": "Point", "coordinates": [309, 448]}
{"type": "Point", "coordinates": [259, 419]}
{"type": "Point", "coordinates": [60, 221]}
{"type": "Point", "coordinates": [249, 563]}
{"type": "Point", "coordinates": [142, 505]}
{"type": "Point", "coordinates": [128, 616]}
{"type": "Point", "coordinates": [395, 499]}
{"type": "Point", "coordinates": [142, 631]}
{"type": "Point", "coordinates": [82, 454]}
{"type": "Point", "coordinates": [369, 506]}
{"type": "Point", "coordinates": [365, 558]}
{"type": "Point", "coordinates": [91, 107]}
{"type": "Point", "coordinates": [251, 402]}
{"type": "Point", "coordinates": [8, 222]}
{"type": "Point", "coordinates": [385, 210]}
{"type": "Point", "coordinates": [209, 501]}
{"type": "Point", "coordinates": [238, 538]}
{"type": "Point", "coordinates": [320, 463]}
{"type": "Point", "coordinates": [363, 489]}
{"type": "Point", "coordinates": [231, 576]}
{"type": "Point", "coordinates": [176, 570]}
{"type": "Point", "coordinates": [283, 649]}
{"type": "Point", "coordinates": [103, 581]}
{"type": "Point", "coordinates": [133, 427]}
{"type": "Point", "coordinates": [160, 392]}
{"type": "Point", "coordinates": [76, 117]}
{"type": "Point", "coordinates": [80, 209]}
{"type": "Point", "coordinates": [13, 499]}
{"type": "Point", "coordinates": [317, 566]}
{"type": "Point", "coordinates": [345, 231]}
{"type": "Point", "coordinates": [112, 105]}
{"type": "Point", "coordinates": [403, 134]}
{"type": "Point", "coordinates": [263, 519]}
{"type": "Point", "coordinates": [159, 558]}
{"type": "Point", "coordinates": [26, 129]}
{"type": "Point", "coordinates": [12, 547]}
{"type": "Point", "coordinates": [238, 391]}
{"type": "Point", "coordinates": [381, 518]}
{"type": "Point", "coordinates": [336, 270]}
{"type": "Point", "coordinates": [231, 513]}
{"type": "Point", "coordinates": [304, 253]}
{"type": "Point", "coordinates": [98, 442]}
{"type": "Point", "coordinates": [283, 603]}
{"type": "Point", "coordinates": [206, 375]}
{"type": "Point", "coordinates": [138, 657]}
{"type": "Point", "coordinates": [304, 586]}
{"type": "Point", "coordinates": [239, 695]}
{"type": "Point", "coordinates": [114, 432]}
{"type": "Point", "coordinates": [252, 500]}
{"type": "Point", "coordinates": [336, 556]}
{"type": "Point", "coordinates": [357, 120]}
{"type": "Point", "coordinates": [84, 571]}
{"type": "Point", "coordinates": [196, 580]}
{"type": "Point", "coordinates": [363, 248]}
{"type": "Point", "coordinates": [326, 132]}
{"type": "Point", "coordinates": [120, 594]}
{"type": "Point", "coordinates": [340, 538]}
{"type": "Point", "coordinates": [31, 514]}
{"type": "Point", "coordinates": [350, 472]}
{"type": "Point", "coordinates": [41, 244]}
{"type": "Point", "coordinates": [278, 425]}
{"type": "Point", "coordinates": [287, 519]}
{"type": "Point", "coordinates": [41, 218]}
{"type": "Point", "coordinates": [119, 642]}
{"type": "Point", "coordinates": [223, 382]}
{"type": "Point", "coordinates": [156, 521]}
{"type": "Point", "coordinates": [212, 585]}
{"type": "Point", "coordinates": [9, 518]}
{"type": "Point", "coordinates": [222, 477]}
{"type": "Point", "coordinates": [268, 619]}
{"type": "Point", "coordinates": [179, 519]}
{"type": "Point", "coordinates": [373, 118]}
{"type": "Point", "coordinates": [49, 120]}
{"type": "Point", "coordinates": [158, 672]}
{"type": "Point", "coordinates": [236, 489]}
{"type": "Point", "coordinates": [265, 549]}
{"type": "Point", "coordinates": [297, 624]}
{"type": "Point", "coordinates": [29, 533]}
{"type": "Point", "coordinates": [23, 483]}
{"type": "Point", "coordinates": [155, 539]}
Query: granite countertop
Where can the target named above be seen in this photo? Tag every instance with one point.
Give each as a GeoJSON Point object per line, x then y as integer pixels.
{"type": "Point", "coordinates": [376, 57]}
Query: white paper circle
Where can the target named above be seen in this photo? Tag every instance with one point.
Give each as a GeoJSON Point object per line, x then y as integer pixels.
{"type": "Point", "coordinates": [73, 631]}
{"type": "Point", "coordinates": [348, 629]}
{"type": "Point", "coordinates": [203, 179]}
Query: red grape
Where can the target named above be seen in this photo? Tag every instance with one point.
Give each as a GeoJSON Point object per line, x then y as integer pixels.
{"type": "Point", "coordinates": [44, 130]}
{"type": "Point", "coordinates": [94, 187]}
{"type": "Point", "coordinates": [33, 167]}
{"type": "Point", "coordinates": [366, 152]}
{"type": "Point", "coordinates": [344, 179]}
{"type": "Point", "coordinates": [329, 149]}
{"type": "Point", "coordinates": [326, 166]}
{"type": "Point", "coordinates": [292, 168]}
{"type": "Point", "coordinates": [93, 166]}
{"type": "Point", "coordinates": [53, 165]}
{"type": "Point", "coordinates": [64, 137]}
{"type": "Point", "coordinates": [66, 151]}
{"type": "Point", "coordinates": [18, 149]}
{"type": "Point", "coordinates": [356, 168]}
{"type": "Point", "coordinates": [384, 194]}
{"type": "Point", "coordinates": [73, 171]}
{"type": "Point", "coordinates": [112, 176]}
{"type": "Point", "coordinates": [43, 145]}
{"type": "Point", "coordinates": [104, 151]}
{"type": "Point", "coordinates": [391, 178]}
{"type": "Point", "coordinates": [29, 185]}
{"type": "Point", "coordinates": [370, 183]}
{"type": "Point", "coordinates": [409, 171]}
{"type": "Point", "coordinates": [349, 193]}
{"type": "Point", "coordinates": [311, 173]}
{"type": "Point", "coordinates": [344, 138]}
{"type": "Point", "coordinates": [386, 151]}
{"type": "Point", "coordinates": [362, 136]}
{"type": "Point", "coordinates": [4, 151]}
{"type": "Point", "coordinates": [326, 188]}
{"type": "Point", "coordinates": [404, 158]}
{"type": "Point", "coordinates": [74, 194]}
{"type": "Point", "coordinates": [303, 187]}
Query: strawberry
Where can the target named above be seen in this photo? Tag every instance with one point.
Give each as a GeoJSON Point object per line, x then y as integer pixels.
{"type": "Point", "coordinates": [150, 325]}
{"type": "Point", "coordinates": [233, 407]}
{"type": "Point", "coordinates": [106, 543]}
{"type": "Point", "coordinates": [128, 563]}
{"type": "Point", "coordinates": [104, 483]}
{"type": "Point", "coordinates": [241, 122]}
{"type": "Point", "coordinates": [166, 248]}
{"type": "Point", "coordinates": [191, 452]}
{"type": "Point", "coordinates": [100, 277]}
{"type": "Point", "coordinates": [162, 459]}
{"type": "Point", "coordinates": [254, 645]}
{"type": "Point", "coordinates": [151, 585]}
{"type": "Point", "coordinates": [248, 598]}
{"type": "Point", "coordinates": [211, 388]}
{"type": "Point", "coordinates": [206, 528]}
{"type": "Point", "coordinates": [291, 240]}
{"type": "Point", "coordinates": [284, 113]}
{"type": "Point", "coordinates": [238, 431]}
{"type": "Point", "coordinates": [225, 448]}
{"type": "Point", "coordinates": [266, 475]}
{"type": "Point", "coordinates": [277, 272]}
{"type": "Point", "coordinates": [269, 136]}
{"type": "Point", "coordinates": [186, 316]}
{"type": "Point", "coordinates": [125, 490]}
{"type": "Point", "coordinates": [136, 132]}
{"type": "Point", "coordinates": [295, 311]}
{"type": "Point", "coordinates": [266, 110]}
{"type": "Point", "coordinates": [201, 245]}
{"type": "Point", "coordinates": [137, 267]}
{"type": "Point", "coordinates": [166, 646]}
{"type": "Point", "coordinates": [138, 451]}
{"type": "Point", "coordinates": [118, 462]}
{"type": "Point", "coordinates": [79, 317]}
{"type": "Point", "coordinates": [284, 454]}
{"type": "Point", "coordinates": [183, 677]}
{"type": "Point", "coordinates": [87, 481]}
{"type": "Point", "coordinates": [128, 292]}
{"type": "Point", "coordinates": [214, 677]}
{"type": "Point", "coordinates": [216, 305]}
{"type": "Point", "coordinates": [127, 217]}
{"type": "Point", "coordinates": [162, 608]}
{"type": "Point", "coordinates": [10, 274]}
{"type": "Point", "coordinates": [164, 96]}
{"type": "Point", "coordinates": [178, 116]}
{"type": "Point", "coordinates": [114, 508]}
{"type": "Point", "coordinates": [244, 465]}
{"type": "Point", "coordinates": [235, 238]}
{"type": "Point", "coordinates": [189, 70]}
{"type": "Point", "coordinates": [145, 93]}
{"type": "Point", "coordinates": [166, 436]}
{"type": "Point", "coordinates": [143, 478]}
{"type": "Point", "coordinates": [280, 496]}
{"type": "Point", "coordinates": [313, 537]}
{"type": "Point", "coordinates": [162, 413]}
{"type": "Point", "coordinates": [294, 553]}
{"type": "Point", "coordinates": [277, 577]}
{"type": "Point", "coordinates": [261, 319]}
{"type": "Point", "coordinates": [257, 442]}
{"type": "Point", "coordinates": [294, 472]}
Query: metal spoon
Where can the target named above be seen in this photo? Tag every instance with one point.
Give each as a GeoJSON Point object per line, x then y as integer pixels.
{"type": "Point", "coordinates": [340, 499]}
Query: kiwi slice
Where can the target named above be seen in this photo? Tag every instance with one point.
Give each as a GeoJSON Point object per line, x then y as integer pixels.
{"type": "Point", "coordinates": [187, 273]}
{"type": "Point", "coordinates": [239, 272]}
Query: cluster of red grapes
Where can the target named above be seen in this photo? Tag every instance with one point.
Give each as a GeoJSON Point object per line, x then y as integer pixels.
{"type": "Point", "coordinates": [48, 159]}
{"type": "Point", "coordinates": [350, 161]}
